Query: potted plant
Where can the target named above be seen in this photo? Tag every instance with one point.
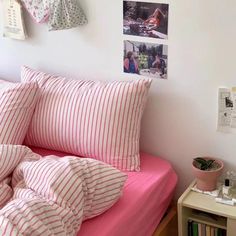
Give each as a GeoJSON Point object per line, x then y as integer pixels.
{"type": "Point", "coordinates": [207, 170]}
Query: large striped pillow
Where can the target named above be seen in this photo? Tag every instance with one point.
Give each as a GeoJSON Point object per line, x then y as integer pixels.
{"type": "Point", "coordinates": [94, 119]}
{"type": "Point", "coordinates": [4, 84]}
{"type": "Point", "coordinates": [17, 103]}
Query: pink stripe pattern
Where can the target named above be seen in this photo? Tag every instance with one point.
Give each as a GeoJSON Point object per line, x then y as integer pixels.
{"type": "Point", "coordinates": [10, 157]}
{"type": "Point", "coordinates": [6, 191]}
{"type": "Point", "coordinates": [93, 119]}
{"type": "Point", "coordinates": [17, 103]}
{"type": "Point", "coordinates": [53, 196]}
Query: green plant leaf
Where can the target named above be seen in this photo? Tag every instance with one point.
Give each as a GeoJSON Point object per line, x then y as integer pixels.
{"type": "Point", "coordinates": [200, 160]}
{"type": "Point", "coordinates": [203, 164]}
{"type": "Point", "coordinates": [210, 163]}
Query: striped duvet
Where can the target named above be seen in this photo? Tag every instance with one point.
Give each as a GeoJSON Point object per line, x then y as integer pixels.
{"type": "Point", "coordinates": [51, 195]}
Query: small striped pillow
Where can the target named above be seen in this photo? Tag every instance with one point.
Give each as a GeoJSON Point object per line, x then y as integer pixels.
{"type": "Point", "coordinates": [17, 103]}
{"type": "Point", "coordinates": [94, 119]}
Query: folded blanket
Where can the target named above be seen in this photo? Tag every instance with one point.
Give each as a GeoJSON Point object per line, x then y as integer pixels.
{"type": "Point", "coordinates": [51, 195]}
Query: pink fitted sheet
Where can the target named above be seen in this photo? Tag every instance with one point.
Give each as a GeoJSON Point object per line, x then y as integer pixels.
{"type": "Point", "coordinates": [146, 196]}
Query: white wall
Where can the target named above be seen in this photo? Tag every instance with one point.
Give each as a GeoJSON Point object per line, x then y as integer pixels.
{"type": "Point", "coordinates": [180, 120]}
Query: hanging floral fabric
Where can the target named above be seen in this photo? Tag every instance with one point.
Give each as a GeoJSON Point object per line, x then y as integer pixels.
{"type": "Point", "coordinates": [38, 9]}
{"type": "Point", "coordinates": [65, 14]}
{"type": "Point", "coordinates": [61, 14]}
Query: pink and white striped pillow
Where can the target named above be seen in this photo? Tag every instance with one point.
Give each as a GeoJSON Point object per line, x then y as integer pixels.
{"type": "Point", "coordinates": [17, 103]}
{"type": "Point", "coordinates": [4, 84]}
{"type": "Point", "coordinates": [93, 119]}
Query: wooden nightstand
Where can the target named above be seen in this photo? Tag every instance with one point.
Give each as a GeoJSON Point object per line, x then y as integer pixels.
{"type": "Point", "coordinates": [203, 209]}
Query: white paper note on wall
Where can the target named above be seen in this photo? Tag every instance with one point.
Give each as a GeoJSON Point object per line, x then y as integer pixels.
{"type": "Point", "coordinates": [13, 23]}
{"type": "Point", "coordinates": [227, 110]}
{"type": "Point", "coordinates": [233, 115]}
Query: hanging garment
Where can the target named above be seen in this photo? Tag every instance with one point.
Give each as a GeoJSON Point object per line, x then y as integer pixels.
{"type": "Point", "coordinates": [61, 14]}
{"type": "Point", "coordinates": [38, 9]}
{"type": "Point", "coordinates": [65, 14]}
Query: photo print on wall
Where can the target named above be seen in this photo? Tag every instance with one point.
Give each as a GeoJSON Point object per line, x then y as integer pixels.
{"type": "Point", "coordinates": [145, 19]}
{"type": "Point", "coordinates": [146, 59]}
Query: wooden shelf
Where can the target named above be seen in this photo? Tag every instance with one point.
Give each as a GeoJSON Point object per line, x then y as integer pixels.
{"type": "Point", "coordinates": [219, 222]}
{"type": "Point", "coordinates": [191, 201]}
{"type": "Point", "coordinates": [208, 204]}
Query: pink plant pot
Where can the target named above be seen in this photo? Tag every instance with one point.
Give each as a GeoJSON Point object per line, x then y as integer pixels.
{"type": "Point", "coordinates": [207, 179]}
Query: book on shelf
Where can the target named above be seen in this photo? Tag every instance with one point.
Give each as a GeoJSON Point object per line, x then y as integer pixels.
{"type": "Point", "coordinates": [190, 228]}
{"type": "Point", "coordinates": [195, 228]}
{"type": "Point", "coordinates": [203, 230]}
{"type": "Point", "coordinates": [199, 229]}
{"type": "Point", "coordinates": [208, 230]}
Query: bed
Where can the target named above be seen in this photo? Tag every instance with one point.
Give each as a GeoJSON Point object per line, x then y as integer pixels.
{"type": "Point", "coordinates": [107, 130]}
{"type": "Point", "coordinates": [146, 197]}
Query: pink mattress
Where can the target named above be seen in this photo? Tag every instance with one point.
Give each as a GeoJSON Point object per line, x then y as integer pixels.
{"type": "Point", "coordinates": [145, 199]}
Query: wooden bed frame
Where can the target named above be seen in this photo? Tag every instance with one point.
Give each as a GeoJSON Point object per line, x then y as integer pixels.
{"type": "Point", "coordinates": [169, 223]}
